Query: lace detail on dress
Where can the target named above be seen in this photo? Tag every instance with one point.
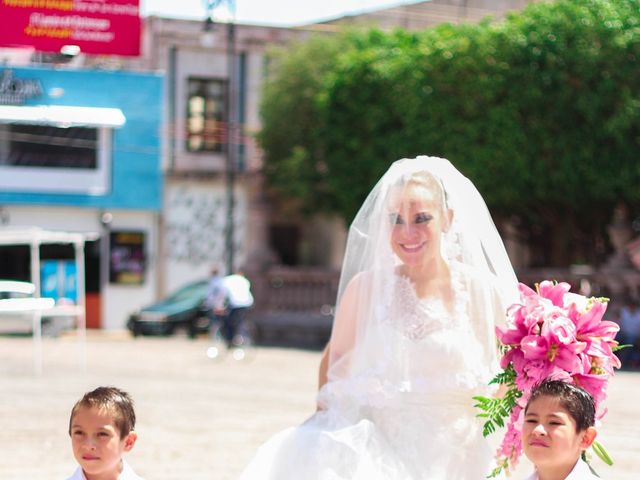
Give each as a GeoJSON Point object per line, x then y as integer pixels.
{"type": "Point", "coordinates": [416, 318]}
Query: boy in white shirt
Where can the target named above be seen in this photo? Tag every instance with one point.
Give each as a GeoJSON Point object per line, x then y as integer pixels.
{"type": "Point", "coordinates": [558, 427]}
{"type": "Point", "coordinates": [101, 428]}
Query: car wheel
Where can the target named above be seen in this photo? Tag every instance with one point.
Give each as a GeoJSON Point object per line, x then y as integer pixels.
{"type": "Point", "coordinates": [192, 329]}
{"type": "Point", "coordinates": [135, 330]}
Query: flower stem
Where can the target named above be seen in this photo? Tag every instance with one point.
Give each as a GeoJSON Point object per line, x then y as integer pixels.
{"type": "Point", "coordinates": [599, 450]}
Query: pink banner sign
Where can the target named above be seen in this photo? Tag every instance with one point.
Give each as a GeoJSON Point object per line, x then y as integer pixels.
{"type": "Point", "coordinates": [100, 27]}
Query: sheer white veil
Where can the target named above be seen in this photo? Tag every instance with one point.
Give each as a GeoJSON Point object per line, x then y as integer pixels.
{"type": "Point", "coordinates": [482, 278]}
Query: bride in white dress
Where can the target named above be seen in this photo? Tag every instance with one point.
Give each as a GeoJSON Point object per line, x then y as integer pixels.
{"type": "Point", "coordinates": [425, 280]}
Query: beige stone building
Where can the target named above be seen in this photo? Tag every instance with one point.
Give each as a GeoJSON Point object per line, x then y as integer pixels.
{"type": "Point", "coordinates": [420, 15]}
{"type": "Point", "coordinates": [212, 75]}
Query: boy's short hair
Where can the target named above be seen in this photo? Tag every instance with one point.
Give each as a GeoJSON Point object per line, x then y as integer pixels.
{"type": "Point", "coordinates": [576, 401]}
{"type": "Point", "coordinates": [114, 401]}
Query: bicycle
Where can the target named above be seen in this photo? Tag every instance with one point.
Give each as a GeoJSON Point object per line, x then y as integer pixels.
{"type": "Point", "coordinates": [233, 334]}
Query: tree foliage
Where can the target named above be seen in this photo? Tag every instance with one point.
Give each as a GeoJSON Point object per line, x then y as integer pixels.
{"type": "Point", "coordinates": [291, 118]}
{"type": "Point", "coordinates": [541, 110]}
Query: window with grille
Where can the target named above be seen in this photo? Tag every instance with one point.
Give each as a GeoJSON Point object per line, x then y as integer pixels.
{"type": "Point", "coordinates": [206, 114]}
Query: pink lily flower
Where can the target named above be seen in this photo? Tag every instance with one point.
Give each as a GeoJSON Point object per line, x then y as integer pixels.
{"type": "Point", "coordinates": [554, 291]}
{"type": "Point", "coordinates": [538, 347]}
{"type": "Point", "coordinates": [590, 323]}
{"type": "Point", "coordinates": [520, 326]}
{"type": "Point", "coordinates": [594, 384]}
{"type": "Point", "coordinates": [560, 374]}
{"type": "Point", "coordinates": [530, 373]}
{"type": "Point", "coordinates": [559, 328]}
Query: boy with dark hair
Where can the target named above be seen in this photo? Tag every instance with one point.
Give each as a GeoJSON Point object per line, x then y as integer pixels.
{"type": "Point", "coordinates": [101, 428]}
{"type": "Point", "coordinates": [558, 426]}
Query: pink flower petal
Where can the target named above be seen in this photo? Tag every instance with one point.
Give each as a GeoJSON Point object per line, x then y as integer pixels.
{"type": "Point", "coordinates": [554, 292]}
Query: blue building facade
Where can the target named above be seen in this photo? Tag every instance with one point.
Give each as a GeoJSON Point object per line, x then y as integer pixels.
{"type": "Point", "coordinates": [80, 151]}
{"type": "Point", "coordinates": [129, 175]}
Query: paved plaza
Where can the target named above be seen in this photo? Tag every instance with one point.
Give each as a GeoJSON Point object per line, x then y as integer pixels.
{"type": "Point", "coordinates": [197, 418]}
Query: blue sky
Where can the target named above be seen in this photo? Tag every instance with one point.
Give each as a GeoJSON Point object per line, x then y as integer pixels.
{"type": "Point", "coordinates": [269, 12]}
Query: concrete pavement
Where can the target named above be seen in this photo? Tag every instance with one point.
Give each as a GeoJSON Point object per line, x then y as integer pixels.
{"type": "Point", "coordinates": [197, 418]}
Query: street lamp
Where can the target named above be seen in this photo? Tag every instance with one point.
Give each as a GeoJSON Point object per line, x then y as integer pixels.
{"type": "Point", "coordinates": [232, 134]}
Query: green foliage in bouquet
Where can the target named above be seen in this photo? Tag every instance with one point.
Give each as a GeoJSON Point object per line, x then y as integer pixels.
{"type": "Point", "coordinates": [496, 409]}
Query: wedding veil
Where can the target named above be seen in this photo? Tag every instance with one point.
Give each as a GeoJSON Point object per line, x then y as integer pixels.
{"type": "Point", "coordinates": [371, 292]}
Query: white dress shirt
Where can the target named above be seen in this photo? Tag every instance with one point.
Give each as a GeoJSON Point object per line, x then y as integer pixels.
{"type": "Point", "coordinates": [580, 471]}
{"type": "Point", "coordinates": [238, 291]}
{"type": "Point", "coordinates": [126, 474]}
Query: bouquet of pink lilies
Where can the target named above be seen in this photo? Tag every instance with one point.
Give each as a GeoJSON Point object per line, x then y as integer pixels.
{"type": "Point", "coordinates": [551, 333]}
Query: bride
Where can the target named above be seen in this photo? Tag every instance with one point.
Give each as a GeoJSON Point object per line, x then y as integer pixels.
{"type": "Point", "coordinates": [425, 280]}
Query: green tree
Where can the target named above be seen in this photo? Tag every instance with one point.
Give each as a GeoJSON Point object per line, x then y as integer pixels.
{"type": "Point", "coordinates": [541, 110]}
{"type": "Point", "coordinates": [292, 120]}
{"type": "Point", "coordinates": [574, 71]}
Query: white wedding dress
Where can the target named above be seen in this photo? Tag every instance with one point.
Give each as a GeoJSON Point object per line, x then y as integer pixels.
{"type": "Point", "coordinates": [406, 412]}
{"type": "Point", "coordinates": [402, 368]}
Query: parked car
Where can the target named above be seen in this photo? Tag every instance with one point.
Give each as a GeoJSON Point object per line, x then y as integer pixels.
{"type": "Point", "coordinates": [17, 306]}
{"type": "Point", "coordinates": [185, 308]}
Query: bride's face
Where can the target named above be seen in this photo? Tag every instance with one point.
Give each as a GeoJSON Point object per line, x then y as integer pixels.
{"type": "Point", "coordinates": [417, 220]}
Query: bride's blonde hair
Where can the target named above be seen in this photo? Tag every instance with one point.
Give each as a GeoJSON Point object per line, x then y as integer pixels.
{"type": "Point", "coordinates": [430, 182]}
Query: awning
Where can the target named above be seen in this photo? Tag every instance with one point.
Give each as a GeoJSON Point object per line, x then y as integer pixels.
{"type": "Point", "coordinates": [62, 116]}
{"type": "Point", "coordinates": [35, 235]}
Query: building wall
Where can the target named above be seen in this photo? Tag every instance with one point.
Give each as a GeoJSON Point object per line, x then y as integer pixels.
{"type": "Point", "coordinates": [182, 49]}
{"type": "Point", "coordinates": [133, 199]}
{"type": "Point", "coordinates": [117, 301]}
{"type": "Point", "coordinates": [420, 15]}
{"type": "Point", "coordinates": [194, 229]}
{"type": "Point", "coordinates": [136, 178]}
{"type": "Point", "coordinates": [195, 200]}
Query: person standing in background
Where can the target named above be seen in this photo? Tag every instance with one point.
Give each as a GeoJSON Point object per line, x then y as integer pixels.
{"type": "Point", "coordinates": [216, 295]}
{"type": "Point", "coordinates": [237, 290]}
{"type": "Point", "coordinates": [630, 333]}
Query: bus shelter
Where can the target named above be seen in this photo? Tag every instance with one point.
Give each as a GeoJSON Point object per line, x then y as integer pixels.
{"type": "Point", "coordinates": [40, 308]}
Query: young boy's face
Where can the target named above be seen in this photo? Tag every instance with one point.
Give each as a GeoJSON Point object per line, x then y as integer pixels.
{"type": "Point", "coordinates": [549, 436]}
{"type": "Point", "coordinates": [96, 442]}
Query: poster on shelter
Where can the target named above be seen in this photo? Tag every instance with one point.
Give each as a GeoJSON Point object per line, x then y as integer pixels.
{"type": "Point", "coordinates": [127, 260]}
{"type": "Point", "coordinates": [100, 27]}
{"type": "Point", "coordinates": [59, 280]}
